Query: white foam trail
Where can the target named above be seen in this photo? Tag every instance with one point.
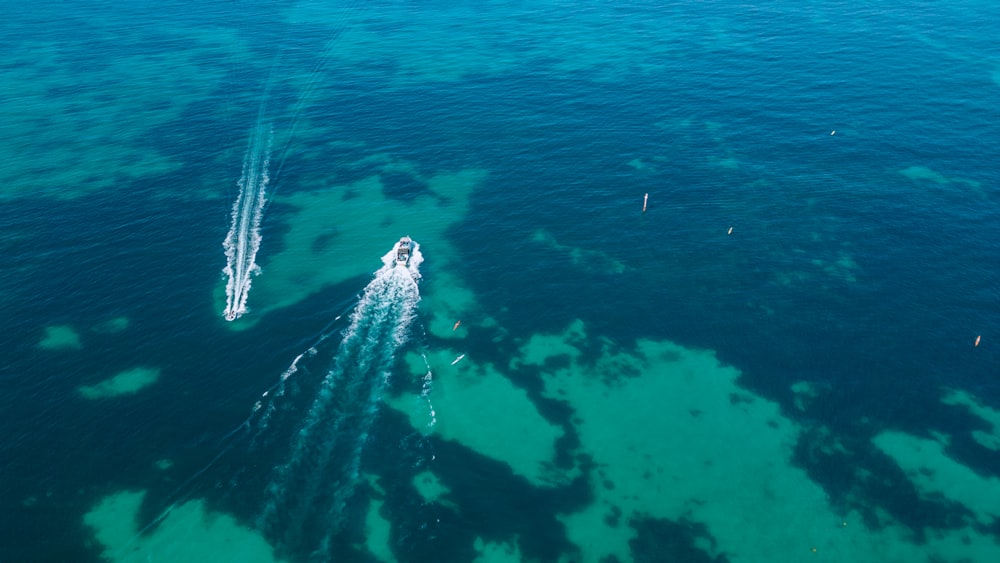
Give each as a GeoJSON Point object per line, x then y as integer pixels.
{"type": "Point", "coordinates": [243, 240]}
{"type": "Point", "coordinates": [308, 496]}
{"type": "Point", "coordinates": [425, 391]}
{"type": "Point", "coordinates": [276, 391]}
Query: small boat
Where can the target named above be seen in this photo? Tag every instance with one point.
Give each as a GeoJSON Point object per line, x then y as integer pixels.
{"type": "Point", "coordinates": [403, 251]}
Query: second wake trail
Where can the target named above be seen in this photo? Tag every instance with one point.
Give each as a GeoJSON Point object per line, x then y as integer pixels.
{"type": "Point", "coordinates": [243, 239]}
{"type": "Point", "coordinates": [308, 495]}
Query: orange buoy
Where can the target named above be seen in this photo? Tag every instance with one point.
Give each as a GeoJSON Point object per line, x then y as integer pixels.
{"type": "Point", "coordinates": [454, 328]}
{"type": "Point", "coordinates": [977, 340]}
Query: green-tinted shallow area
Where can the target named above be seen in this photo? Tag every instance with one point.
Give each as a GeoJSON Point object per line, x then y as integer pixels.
{"type": "Point", "coordinates": [127, 382]}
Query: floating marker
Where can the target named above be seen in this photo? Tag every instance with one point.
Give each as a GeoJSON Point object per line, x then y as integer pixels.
{"type": "Point", "coordinates": [730, 231]}
{"type": "Point", "coordinates": [645, 199]}
{"type": "Point", "coordinates": [458, 359]}
{"type": "Point", "coordinates": [977, 340]}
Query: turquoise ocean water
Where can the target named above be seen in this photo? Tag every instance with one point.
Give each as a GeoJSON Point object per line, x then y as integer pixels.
{"type": "Point", "coordinates": [793, 354]}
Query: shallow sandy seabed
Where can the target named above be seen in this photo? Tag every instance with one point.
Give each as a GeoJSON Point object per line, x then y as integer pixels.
{"type": "Point", "coordinates": [377, 533]}
{"type": "Point", "coordinates": [467, 398]}
{"type": "Point", "coordinates": [681, 440]}
{"type": "Point", "coordinates": [923, 174]}
{"type": "Point", "coordinates": [127, 382]}
{"type": "Point", "coordinates": [340, 232]}
{"type": "Point", "coordinates": [61, 337]}
{"type": "Point", "coordinates": [672, 436]}
{"type": "Point", "coordinates": [449, 308]}
{"type": "Point", "coordinates": [592, 261]}
{"type": "Point", "coordinates": [456, 41]}
{"type": "Point", "coordinates": [112, 326]}
{"type": "Point", "coordinates": [675, 437]}
{"type": "Point", "coordinates": [989, 439]}
{"type": "Point", "coordinates": [936, 474]}
{"type": "Point", "coordinates": [431, 489]}
{"type": "Point", "coordinates": [491, 552]}
{"type": "Point", "coordinates": [98, 130]}
{"type": "Point", "coordinates": [188, 532]}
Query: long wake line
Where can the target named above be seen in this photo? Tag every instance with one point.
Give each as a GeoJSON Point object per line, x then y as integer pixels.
{"type": "Point", "coordinates": [243, 240]}
{"type": "Point", "coordinates": [308, 497]}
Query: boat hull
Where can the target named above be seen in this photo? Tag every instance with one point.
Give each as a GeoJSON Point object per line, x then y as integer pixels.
{"type": "Point", "coordinates": [403, 250]}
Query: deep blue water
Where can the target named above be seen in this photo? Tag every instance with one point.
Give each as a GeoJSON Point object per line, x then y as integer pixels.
{"type": "Point", "coordinates": [730, 106]}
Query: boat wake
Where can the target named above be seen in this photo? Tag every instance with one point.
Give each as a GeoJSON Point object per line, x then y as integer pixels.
{"type": "Point", "coordinates": [307, 497]}
{"type": "Point", "coordinates": [243, 240]}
